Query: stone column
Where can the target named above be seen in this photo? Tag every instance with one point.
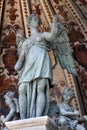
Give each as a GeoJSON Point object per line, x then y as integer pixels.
{"type": "Point", "coordinates": [39, 123]}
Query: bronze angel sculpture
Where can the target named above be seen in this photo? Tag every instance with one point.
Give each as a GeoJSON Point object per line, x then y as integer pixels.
{"type": "Point", "coordinates": [35, 66]}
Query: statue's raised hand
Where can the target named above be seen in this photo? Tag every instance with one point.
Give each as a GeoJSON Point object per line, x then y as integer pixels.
{"type": "Point", "coordinates": [55, 18]}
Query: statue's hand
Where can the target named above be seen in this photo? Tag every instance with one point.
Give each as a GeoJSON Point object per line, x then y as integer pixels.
{"type": "Point", "coordinates": [40, 38]}
{"type": "Point", "coordinates": [55, 18]}
{"type": "Point", "coordinates": [76, 113]}
{"type": "Point", "coordinates": [85, 117]}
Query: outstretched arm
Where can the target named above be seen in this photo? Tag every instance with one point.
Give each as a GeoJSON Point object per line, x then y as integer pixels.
{"type": "Point", "coordinates": [49, 36]}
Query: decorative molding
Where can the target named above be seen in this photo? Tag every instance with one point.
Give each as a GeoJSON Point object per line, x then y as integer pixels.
{"type": "Point", "coordinates": [10, 25]}
{"type": "Point", "coordinates": [25, 12]}
{"type": "Point", "coordinates": [47, 11]}
{"type": "Point", "coordinates": [82, 26]}
{"type": "Point", "coordinates": [70, 81]}
{"type": "Point", "coordinates": [1, 8]}
{"type": "Point", "coordinates": [81, 8]}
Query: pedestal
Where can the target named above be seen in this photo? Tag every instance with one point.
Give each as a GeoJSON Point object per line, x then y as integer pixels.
{"type": "Point", "coordinates": [40, 123]}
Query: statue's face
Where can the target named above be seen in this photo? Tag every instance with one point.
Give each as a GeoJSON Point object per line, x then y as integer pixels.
{"type": "Point", "coordinates": [68, 96]}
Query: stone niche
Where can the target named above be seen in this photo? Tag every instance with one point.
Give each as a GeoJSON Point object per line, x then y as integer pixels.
{"type": "Point", "coordinates": [39, 123]}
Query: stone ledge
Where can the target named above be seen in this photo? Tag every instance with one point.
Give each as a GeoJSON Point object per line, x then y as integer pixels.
{"type": "Point", "coordinates": [39, 123]}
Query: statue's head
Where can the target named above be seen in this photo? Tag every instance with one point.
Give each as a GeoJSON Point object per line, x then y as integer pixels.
{"type": "Point", "coordinates": [9, 97]}
{"type": "Point", "coordinates": [68, 94]}
{"type": "Point", "coordinates": [33, 20]}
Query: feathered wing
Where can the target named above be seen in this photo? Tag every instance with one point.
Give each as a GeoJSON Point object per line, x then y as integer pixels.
{"type": "Point", "coordinates": [62, 50]}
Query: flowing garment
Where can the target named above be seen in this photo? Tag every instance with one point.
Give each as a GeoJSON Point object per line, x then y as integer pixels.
{"type": "Point", "coordinates": [37, 66]}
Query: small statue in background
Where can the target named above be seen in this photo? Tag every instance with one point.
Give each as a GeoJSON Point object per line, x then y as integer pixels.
{"type": "Point", "coordinates": [12, 103]}
{"type": "Point", "coordinates": [68, 115]}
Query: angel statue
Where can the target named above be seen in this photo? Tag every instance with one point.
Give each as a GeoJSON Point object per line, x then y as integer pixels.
{"type": "Point", "coordinates": [35, 66]}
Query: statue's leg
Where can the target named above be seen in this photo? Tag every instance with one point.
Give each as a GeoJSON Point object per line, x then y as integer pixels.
{"type": "Point", "coordinates": [23, 100]}
{"type": "Point", "coordinates": [80, 127]}
{"type": "Point", "coordinates": [41, 97]}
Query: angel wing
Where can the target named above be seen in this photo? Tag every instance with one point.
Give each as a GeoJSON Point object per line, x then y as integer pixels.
{"type": "Point", "coordinates": [19, 41]}
{"type": "Point", "coordinates": [62, 50]}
